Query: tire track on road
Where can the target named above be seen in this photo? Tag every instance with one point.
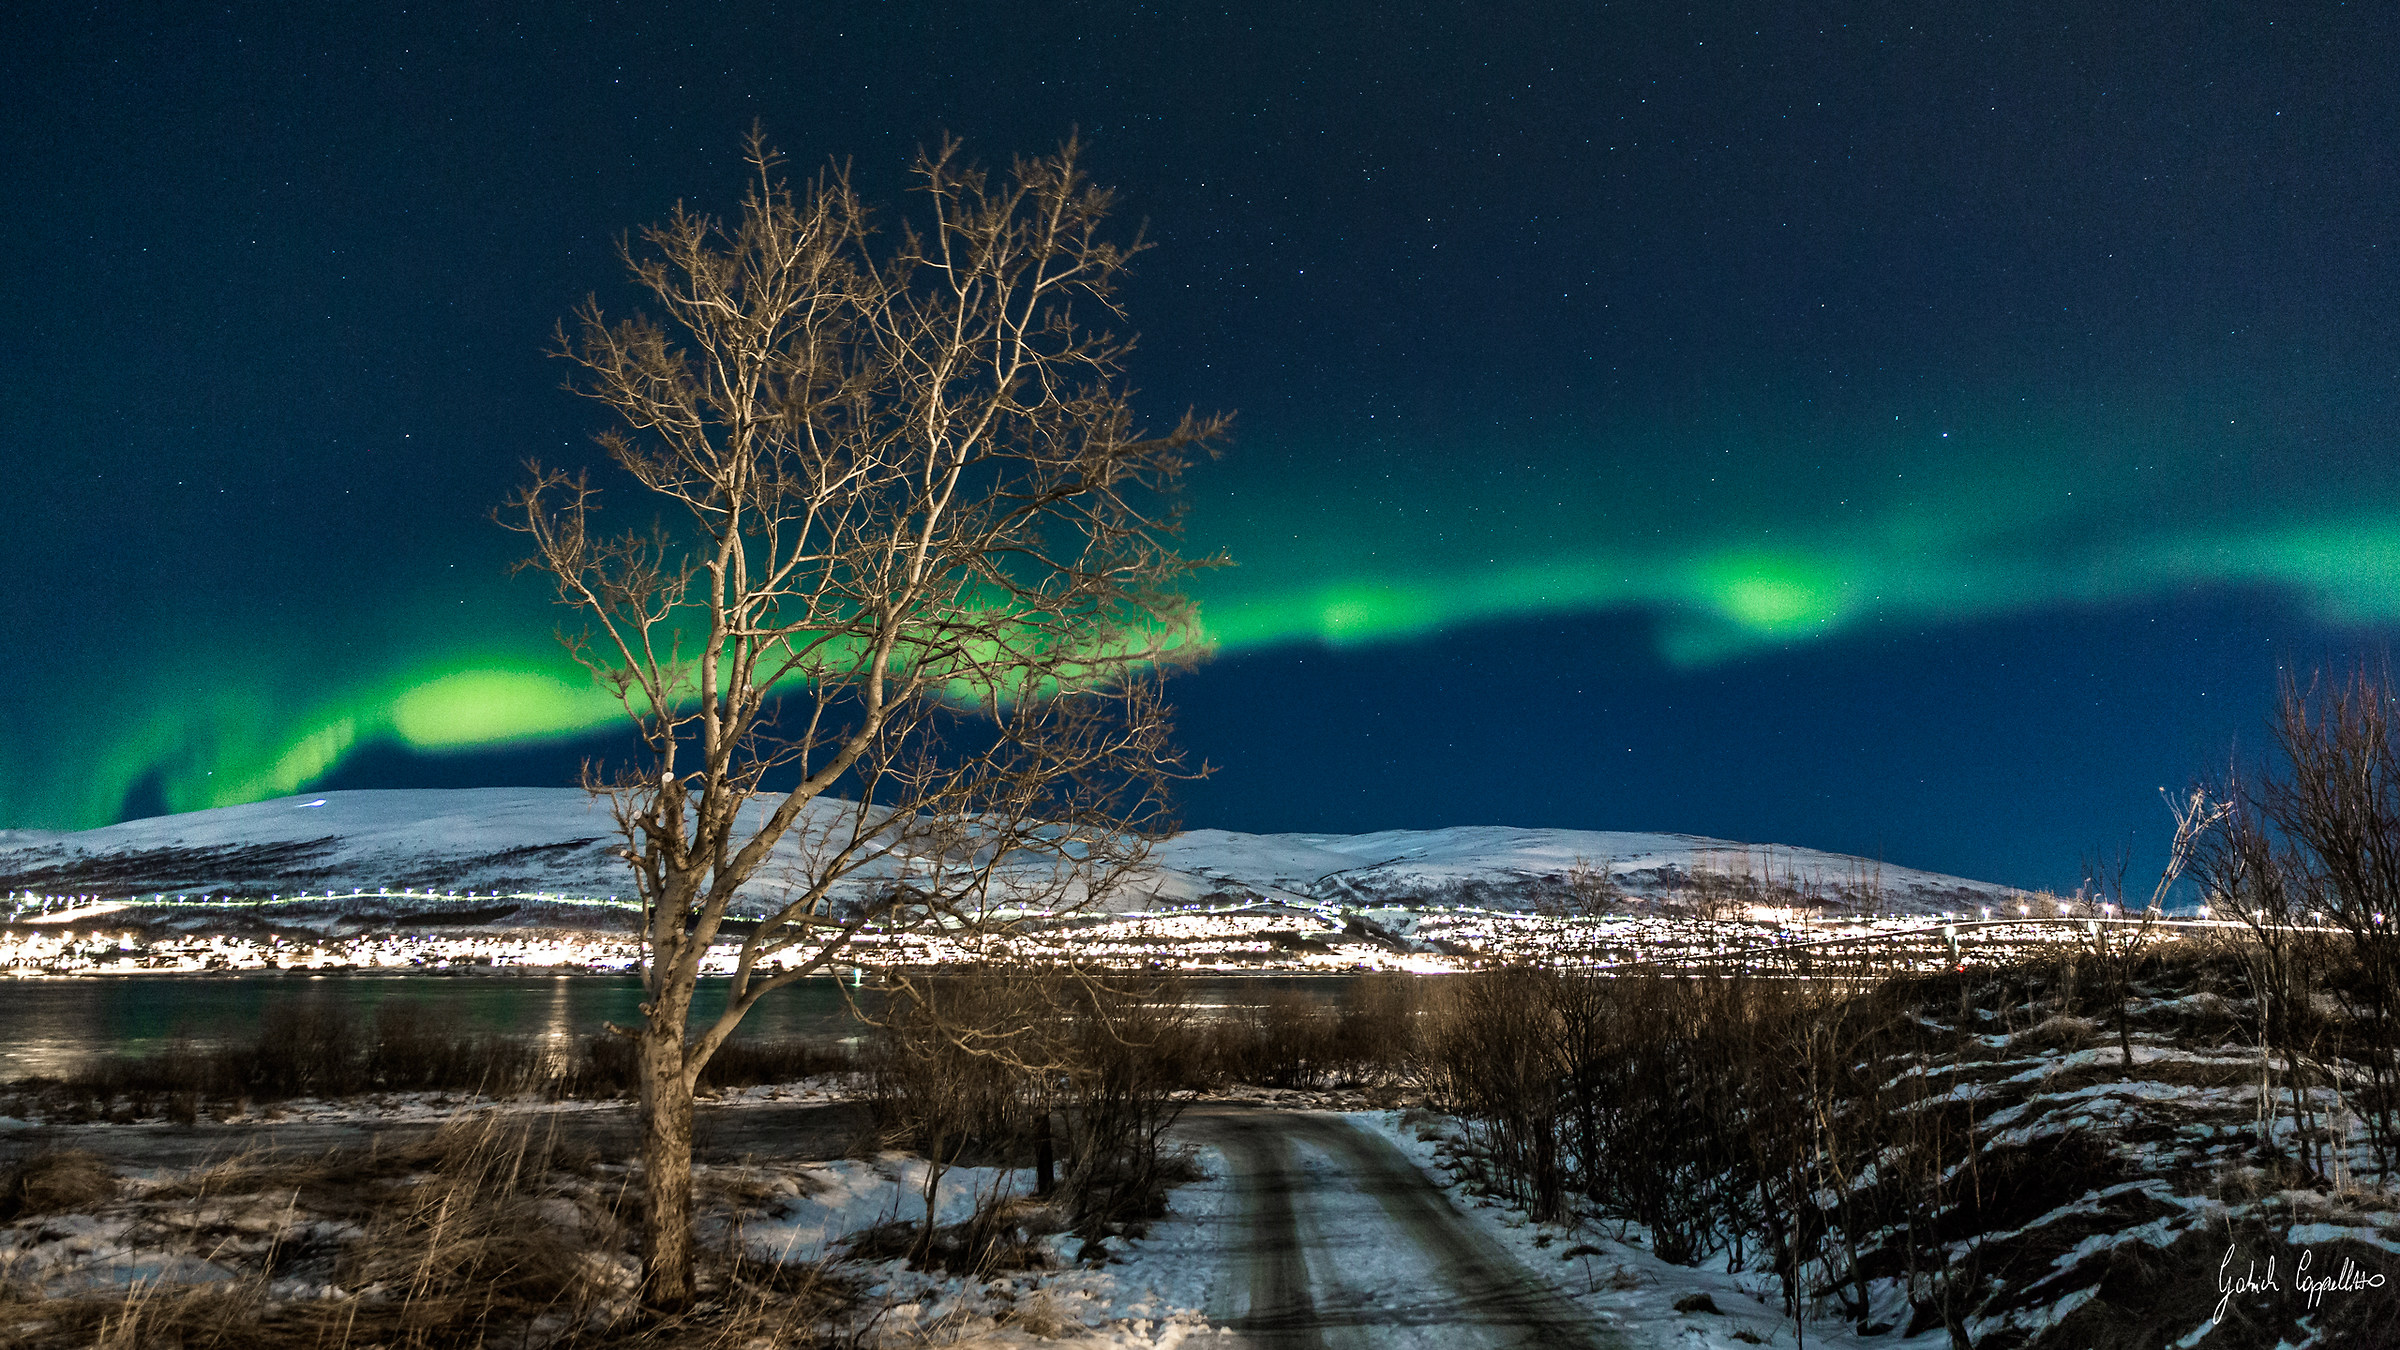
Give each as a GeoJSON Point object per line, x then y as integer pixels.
{"type": "Point", "coordinates": [1385, 1217]}
{"type": "Point", "coordinates": [1280, 1312]}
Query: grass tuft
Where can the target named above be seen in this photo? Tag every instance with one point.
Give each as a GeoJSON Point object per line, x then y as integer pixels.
{"type": "Point", "coordinates": [61, 1182]}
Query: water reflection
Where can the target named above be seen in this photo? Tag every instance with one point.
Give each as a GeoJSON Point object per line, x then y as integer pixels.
{"type": "Point", "coordinates": [48, 1026]}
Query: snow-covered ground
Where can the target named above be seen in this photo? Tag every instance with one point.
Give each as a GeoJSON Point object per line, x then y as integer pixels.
{"type": "Point", "coordinates": [1608, 1272]}
{"type": "Point", "coordinates": [1297, 1222]}
{"type": "Point", "coordinates": [1368, 1227]}
{"type": "Point", "coordinates": [1361, 1271]}
{"type": "Point", "coordinates": [1150, 1292]}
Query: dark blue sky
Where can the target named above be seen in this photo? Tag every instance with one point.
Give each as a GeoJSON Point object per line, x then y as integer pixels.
{"type": "Point", "coordinates": [1907, 432]}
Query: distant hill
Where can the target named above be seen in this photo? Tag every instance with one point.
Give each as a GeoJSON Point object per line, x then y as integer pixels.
{"type": "Point", "coordinates": [1502, 867]}
{"type": "Point", "coordinates": [557, 841]}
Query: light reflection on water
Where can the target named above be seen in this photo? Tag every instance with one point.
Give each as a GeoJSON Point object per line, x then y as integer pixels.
{"type": "Point", "coordinates": [48, 1026]}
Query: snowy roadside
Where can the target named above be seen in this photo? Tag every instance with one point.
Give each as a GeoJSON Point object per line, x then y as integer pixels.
{"type": "Point", "coordinates": [1157, 1292]}
{"type": "Point", "coordinates": [1616, 1279]}
{"type": "Point", "coordinates": [1145, 1293]}
{"type": "Point", "coordinates": [2149, 1224]}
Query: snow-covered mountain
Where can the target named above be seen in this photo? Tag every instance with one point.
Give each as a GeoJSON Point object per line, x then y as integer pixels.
{"type": "Point", "coordinates": [557, 841]}
{"type": "Point", "coordinates": [1501, 867]}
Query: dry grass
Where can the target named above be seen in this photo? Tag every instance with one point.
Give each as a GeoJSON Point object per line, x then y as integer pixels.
{"type": "Point", "coordinates": [55, 1183]}
{"type": "Point", "coordinates": [490, 1232]}
{"type": "Point", "coordinates": [482, 1237]}
{"type": "Point", "coordinates": [997, 1238]}
{"type": "Point", "coordinates": [1037, 1314]}
{"type": "Point", "coordinates": [2225, 1073]}
{"type": "Point", "coordinates": [2060, 1033]}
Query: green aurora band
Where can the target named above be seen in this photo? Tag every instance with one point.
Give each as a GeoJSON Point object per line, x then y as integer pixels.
{"type": "Point", "coordinates": [1779, 556]}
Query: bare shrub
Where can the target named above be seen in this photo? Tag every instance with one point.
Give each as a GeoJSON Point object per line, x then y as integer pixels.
{"type": "Point", "coordinates": [955, 1070]}
{"type": "Point", "coordinates": [318, 1046]}
{"type": "Point", "coordinates": [609, 1066]}
{"type": "Point", "coordinates": [420, 1046]}
{"type": "Point", "coordinates": [2340, 806]}
{"type": "Point", "coordinates": [2119, 941]}
{"type": "Point", "coordinates": [2317, 846]}
{"type": "Point", "coordinates": [1289, 1039]}
{"type": "Point", "coordinates": [1595, 886]}
{"type": "Point", "coordinates": [1493, 1056]}
{"type": "Point", "coordinates": [988, 1066]}
{"type": "Point", "coordinates": [1376, 1026]}
{"type": "Point", "coordinates": [1757, 1118]}
{"type": "Point", "coordinates": [1039, 1315]}
{"type": "Point", "coordinates": [1123, 1051]}
{"type": "Point", "coordinates": [742, 1063]}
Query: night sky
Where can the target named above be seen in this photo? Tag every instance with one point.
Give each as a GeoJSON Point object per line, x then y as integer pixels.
{"type": "Point", "coordinates": [1915, 431]}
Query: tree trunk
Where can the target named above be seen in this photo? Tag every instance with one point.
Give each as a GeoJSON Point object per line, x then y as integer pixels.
{"type": "Point", "coordinates": [666, 1161]}
{"type": "Point", "coordinates": [935, 1166]}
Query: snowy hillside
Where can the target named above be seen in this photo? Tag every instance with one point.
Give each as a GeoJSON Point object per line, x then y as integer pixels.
{"type": "Point", "coordinates": [555, 840]}
{"type": "Point", "coordinates": [1503, 867]}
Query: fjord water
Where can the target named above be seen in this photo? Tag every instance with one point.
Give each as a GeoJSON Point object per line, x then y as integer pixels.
{"type": "Point", "coordinates": [48, 1026]}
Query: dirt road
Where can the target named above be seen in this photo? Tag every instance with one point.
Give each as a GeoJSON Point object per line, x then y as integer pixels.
{"type": "Point", "coordinates": [1343, 1243]}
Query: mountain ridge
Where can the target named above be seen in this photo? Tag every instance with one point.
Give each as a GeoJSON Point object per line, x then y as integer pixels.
{"type": "Point", "coordinates": [559, 841]}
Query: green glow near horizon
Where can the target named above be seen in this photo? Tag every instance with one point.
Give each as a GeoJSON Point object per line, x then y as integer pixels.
{"type": "Point", "coordinates": [1713, 607]}
{"type": "Point", "coordinates": [1727, 570]}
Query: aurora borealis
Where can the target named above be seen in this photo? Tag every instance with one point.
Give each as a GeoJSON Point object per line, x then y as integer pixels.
{"type": "Point", "coordinates": [1814, 428]}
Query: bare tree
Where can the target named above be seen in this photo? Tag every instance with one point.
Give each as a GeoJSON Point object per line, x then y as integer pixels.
{"type": "Point", "coordinates": [923, 557]}
{"type": "Point", "coordinates": [2119, 938]}
{"type": "Point", "coordinates": [2339, 806]}
{"type": "Point", "coordinates": [1593, 888]}
{"type": "Point", "coordinates": [2246, 872]}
